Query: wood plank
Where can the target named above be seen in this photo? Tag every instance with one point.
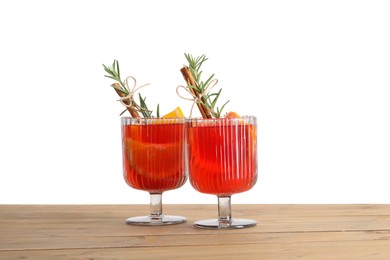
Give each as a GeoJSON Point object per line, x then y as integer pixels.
{"type": "Point", "coordinates": [74, 241]}
{"type": "Point", "coordinates": [322, 250]}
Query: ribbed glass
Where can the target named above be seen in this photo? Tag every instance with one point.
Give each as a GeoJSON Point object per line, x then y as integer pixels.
{"type": "Point", "coordinates": [222, 155]}
{"type": "Point", "coordinates": [154, 156]}
{"type": "Point", "coordinates": [154, 160]}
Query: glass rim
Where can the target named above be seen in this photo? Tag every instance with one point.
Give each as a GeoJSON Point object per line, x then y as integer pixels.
{"type": "Point", "coordinates": [219, 122]}
{"type": "Point", "coordinates": [179, 120]}
{"type": "Point", "coordinates": [152, 120]}
{"type": "Point", "coordinates": [244, 117]}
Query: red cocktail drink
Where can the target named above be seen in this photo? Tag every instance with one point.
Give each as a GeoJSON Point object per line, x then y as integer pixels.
{"type": "Point", "coordinates": [223, 160]}
{"type": "Point", "coordinates": [154, 156]}
{"type": "Point", "coordinates": [154, 160]}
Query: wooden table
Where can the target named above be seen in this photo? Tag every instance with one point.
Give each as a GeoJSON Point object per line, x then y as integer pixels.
{"type": "Point", "coordinates": [283, 232]}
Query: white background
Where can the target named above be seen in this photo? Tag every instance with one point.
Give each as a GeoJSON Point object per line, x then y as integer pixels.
{"type": "Point", "coordinates": [315, 73]}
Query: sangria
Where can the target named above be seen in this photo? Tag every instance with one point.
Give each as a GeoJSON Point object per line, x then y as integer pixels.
{"type": "Point", "coordinates": [154, 160]}
{"type": "Point", "coordinates": [222, 162]}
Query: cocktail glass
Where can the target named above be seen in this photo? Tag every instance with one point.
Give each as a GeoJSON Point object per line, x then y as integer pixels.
{"type": "Point", "coordinates": [154, 160]}
{"type": "Point", "coordinates": [222, 156]}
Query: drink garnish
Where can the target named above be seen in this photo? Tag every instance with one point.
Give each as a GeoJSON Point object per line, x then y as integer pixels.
{"type": "Point", "coordinates": [140, 153]}
{"type": "Point", "coordinates": [232, 115]}
{"type": "Point", "coordinates": [126, 94]}
{"type": "Point", "coordinates": [176, 113]}
{"type": "Point", "coordinates": [199, 89]}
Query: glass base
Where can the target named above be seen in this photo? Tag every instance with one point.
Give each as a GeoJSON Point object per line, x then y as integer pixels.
{"type": "Point", "coordinates": [232, 224]}
{"type": "Point", "coordinates": [155, 221]}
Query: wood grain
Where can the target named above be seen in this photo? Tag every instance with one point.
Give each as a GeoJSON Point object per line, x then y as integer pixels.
{"type": "Point", "coordinates": [283, 232]}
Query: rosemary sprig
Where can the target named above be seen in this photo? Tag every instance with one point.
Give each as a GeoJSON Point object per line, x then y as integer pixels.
{"type": "Point", "coordinates": [158, 111]}
{"type": "Point", "coordinates": [209, 100]}
{"type": "Point", "coordinates": [113, 72]}
{"type": "Point", "coordinates": [144, 108]}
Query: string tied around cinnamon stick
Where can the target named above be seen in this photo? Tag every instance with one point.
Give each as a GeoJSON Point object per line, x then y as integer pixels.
{"type": "Point", "coordinates": [196, 98]}
{"type": "Point", "coordinates": [130, 96]}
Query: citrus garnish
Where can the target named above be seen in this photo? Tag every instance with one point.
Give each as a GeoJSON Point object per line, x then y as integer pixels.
{"type": "Point", "coordinates": [153, 160]}
{"type": "Point", "coordinates": [176, 113]}
{"type": "Point", "coordinates": [232, 115]}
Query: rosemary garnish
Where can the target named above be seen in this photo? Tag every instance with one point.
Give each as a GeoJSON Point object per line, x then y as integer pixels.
{"type": "Point", "coordinates": [120, 86]}
{"type": "Point", "coordinates": [158, 111]}
{"type": "Point", "coordinates": [209, 100]}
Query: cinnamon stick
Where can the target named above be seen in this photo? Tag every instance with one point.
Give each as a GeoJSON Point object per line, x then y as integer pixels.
{"type": "Point", "coordinates": [132, 111]}
{"type": "Point", "coordinates": [191, 82]}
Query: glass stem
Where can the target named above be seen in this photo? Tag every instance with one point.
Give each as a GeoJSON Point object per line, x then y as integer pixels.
{"type": "Point", "coordinates": [155, 205]}
{"type": "Point", "coordinates": [224, 210]}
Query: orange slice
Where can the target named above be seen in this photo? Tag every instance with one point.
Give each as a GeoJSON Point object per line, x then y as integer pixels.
{"type": "Point", "coordinates": [232, 115]}
{"type": "Point", "coordinates": [154, 160]}
{"type": "Point", "coordinates": [176, 113]}
{"type": "Point", "coordinates": [235, 115]}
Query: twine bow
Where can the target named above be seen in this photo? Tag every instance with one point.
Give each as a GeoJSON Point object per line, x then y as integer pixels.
{"type": "Point", "coordinates": [196, 98]}
{"type": "Point", "coordinates": [130, 95]}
